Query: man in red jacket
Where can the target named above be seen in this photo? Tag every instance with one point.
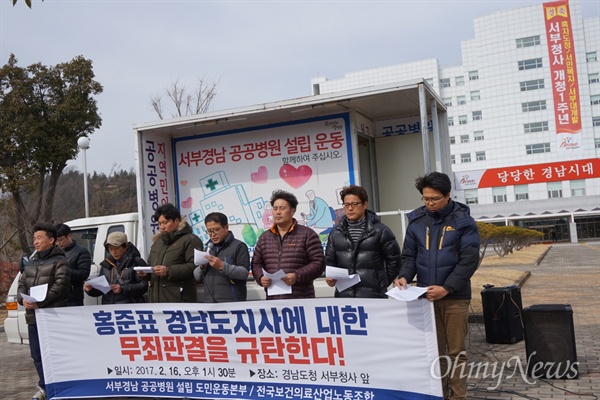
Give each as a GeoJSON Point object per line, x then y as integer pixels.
{"type": "Point", "coordinates": [295, 249]}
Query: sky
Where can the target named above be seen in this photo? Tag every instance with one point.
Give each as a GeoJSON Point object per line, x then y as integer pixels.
{"type": "Point", "coordinates": [258, 51]}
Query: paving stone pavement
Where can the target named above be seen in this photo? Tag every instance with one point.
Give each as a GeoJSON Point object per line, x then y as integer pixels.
{"type": "Point", "coordinates": [568, 274]}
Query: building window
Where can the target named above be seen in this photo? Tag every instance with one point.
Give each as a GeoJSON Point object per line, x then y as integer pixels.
{"type": "Point", "coordinates": [475, 95]}
{"type": "Point", "coordinates": [595, 99]}
{"type": "Point", "coordinates": [480, 155]}
{"type": "Point", "coordinates": [473, 75]}
{"type": "Point", "coordinates": [578, 188]}
{"type": "Point", "coordinates": [478, 135]}
{"type": "Point", "coordinates": [461, 100]}
{"type": "Point", "coordinates": [471, 196]}
{"type": "Point", "coordinates": [531, 85]}
{"type": "Point", "coordinates": [536, 127]}
{"type": "Point", "coordinates": [530, 64]}
{"type": "Point", "coordinates": [447, 101]}
{"type": "Point", "coordinates": [591, 56]}
{"type": "Point", "coordinates": [462, 119]}
{"type": "Point", "coordinates": [554, 190]}
{"type": "Point", "coordinates": [459, 80]}
{"type": "Point", "coordinates": [528, 41]}
{"type": "Point", "coordinates": [464, 138]}
{"type": "Point", "coordinates": [452, 139]}
{"type": "Point", "coordinates": [450, 121]}
{"type": "Point", "coordinates": [465, 157]}
{"type": "Point", "coordinates": [499, 194]}
{"type": "Point", "coordinates": [537, 148]}
{"type": "Point", "coordinates": [597, 143]}
{"type": "Point", "coordinates": [521, 192]}
{"type": "Point", "coordinates": [596, 121]}
{"type": "Point", "coordinates": [534, 105]}
{"type": "Point", "coordinates": [453, 159]}
{"type": "Point", "coordinates": [477, 116]}
{"type": "Point", "coordinates": [445, 82]}
{"type": "Point", "coordinates": [594, 78]}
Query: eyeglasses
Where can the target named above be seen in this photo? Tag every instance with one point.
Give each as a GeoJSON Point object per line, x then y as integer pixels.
{"type": "Point", "coordinates": [431, 199]}
{"type": "Point", "coordinates": [214, 231]}
{"type": "Point", "coordinates": [353, 204]}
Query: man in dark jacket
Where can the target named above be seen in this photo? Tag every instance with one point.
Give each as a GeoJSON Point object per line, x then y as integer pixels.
{"type": "Point", "coordinates": [226, 273]}
{"type": "Point", "coordinates": [79, 262]}
{"type": "Point", "coordinates": [48, 266]}
{"type": "Point", "coordinates": [292, 248]}
{"type": "Point", "coordinates": [117, 268]}
{"type": "Point", "coordinates": [441, 248]}
{"type": "Point", "coordinates": [172, 258]}
{"type": "Point", "coordinates": [363, 245]}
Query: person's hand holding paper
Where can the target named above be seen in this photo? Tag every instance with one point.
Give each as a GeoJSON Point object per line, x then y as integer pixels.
{"type": "Point", "coordinates": [200, 257]}
{"type": "Point", "coordinates": [342, 278]}
{"type": "Point", "coordinates": [277, 285]}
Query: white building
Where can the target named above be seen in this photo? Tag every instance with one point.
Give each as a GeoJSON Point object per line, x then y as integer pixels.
{"type": "Point", "coordinates": [515, 86]}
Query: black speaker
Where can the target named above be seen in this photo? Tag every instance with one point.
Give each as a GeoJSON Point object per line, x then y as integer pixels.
{"type": "Point", "coordinates": [502, 314]}
{"type": "Point", "coordinates": [550, 342]}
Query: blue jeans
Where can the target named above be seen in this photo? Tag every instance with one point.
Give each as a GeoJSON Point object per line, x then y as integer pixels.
{"type": "Point", "coordinates": [36, 353]}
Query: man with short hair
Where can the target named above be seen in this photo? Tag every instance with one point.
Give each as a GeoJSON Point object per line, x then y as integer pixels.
{"type": "Point", "coordinates": [226, 272]}
{"type": "Point", "coordinates": [172, 258]}
{"type": "Point", "coordinates": [47, 266]}
{"type": "Point", "coordinates": [79, 262]}
{"type": "Point", "coordinates": [441, 248]}
{"type": "Point", "coordinates": [364, 246]}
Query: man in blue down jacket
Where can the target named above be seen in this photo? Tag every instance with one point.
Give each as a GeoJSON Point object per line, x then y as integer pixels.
{"type": "Point", "coordinates": [363, 245]}
{"type": "Point", "coordinates": [441, 248]}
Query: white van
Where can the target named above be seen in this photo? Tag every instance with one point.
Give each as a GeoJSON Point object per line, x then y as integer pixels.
{"type": "Point", "coordinates": [91, 234]}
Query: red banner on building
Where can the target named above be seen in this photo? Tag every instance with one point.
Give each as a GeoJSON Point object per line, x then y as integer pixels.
{"type": "Point", "coordinates": [563, 70]}
{"type": "Point", "coordinates": [538, 173]}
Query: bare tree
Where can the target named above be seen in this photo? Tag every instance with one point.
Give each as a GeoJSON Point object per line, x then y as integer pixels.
{"type": "Point", "coordinates": [186, 101]}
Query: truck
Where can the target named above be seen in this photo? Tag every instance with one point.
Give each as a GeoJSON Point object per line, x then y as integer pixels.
{"type": "Point", "coordinates": [230, 161]}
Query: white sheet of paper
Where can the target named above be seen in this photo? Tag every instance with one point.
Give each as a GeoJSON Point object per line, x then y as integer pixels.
{"type": "Point", "coordinates": [344, 280]}
{"type": "Point", "coordinates": [277, 285]}
{"type": "Point", "coordinates": [411, 293]}
{"type": "Point", "coordinates": [100, 283]}
{"type": "Point", "coordinates": [199, 257]}
{"type": "Point", "coordinates": [36, 293]}
{"type": "Point", "coordinates": [144, 268]}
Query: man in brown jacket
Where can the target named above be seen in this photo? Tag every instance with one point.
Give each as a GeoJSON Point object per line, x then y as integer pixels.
{"type": "Point", "coordinates": [288, 246]}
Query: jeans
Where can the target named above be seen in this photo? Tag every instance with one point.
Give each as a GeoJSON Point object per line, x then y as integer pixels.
{"type": "Point", "coordinates": [452, 325]}
{"type": "Point", "coordinates": [36, 353]}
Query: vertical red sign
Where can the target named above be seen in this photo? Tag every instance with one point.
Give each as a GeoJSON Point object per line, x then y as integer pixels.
{"type": "Point", "coordinates": [563, 68]}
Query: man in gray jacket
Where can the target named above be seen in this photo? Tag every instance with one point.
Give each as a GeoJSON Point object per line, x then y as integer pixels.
{"type": "Point", "coordinates": [228, 266]}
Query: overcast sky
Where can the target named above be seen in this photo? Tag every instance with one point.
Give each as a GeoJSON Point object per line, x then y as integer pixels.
{"type": "Point", "coordinates": [260, 51]}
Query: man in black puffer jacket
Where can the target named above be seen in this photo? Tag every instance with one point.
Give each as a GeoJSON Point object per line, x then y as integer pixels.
{"type": "Point", "coordinates": [363, 245]}
{"type": "Point", "coordinates": [79, 261]}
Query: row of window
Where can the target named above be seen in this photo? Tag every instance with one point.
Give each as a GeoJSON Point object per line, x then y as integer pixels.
{"type": "Point", "coordinates": [478, 135]}
{"type": "Point", "coordinates": [462, 119]}
{"type": "Point", "coordinates": [529, 127]}
{"type": "Point", "coordinates": [554, 190]}
{"type": "Point", "coordinates": [459, 80]}
{"type": "Point", "coordinates": [531, 41]}
{"type": "Point", "coordinates": [460, 100]}
{"type": "Point", "coordinates": [535, 148]}
{"type": "Point", "coordinates": [466, 157]}
{"type": "Point", "coordinates": [536, 84]}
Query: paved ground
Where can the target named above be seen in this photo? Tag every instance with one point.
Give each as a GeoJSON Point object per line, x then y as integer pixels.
{"type": "Point", "coordinates": [568, 274]}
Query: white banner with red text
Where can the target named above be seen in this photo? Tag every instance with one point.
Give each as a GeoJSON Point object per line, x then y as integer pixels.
{"type": "Point", "coordinates": [320, 349]}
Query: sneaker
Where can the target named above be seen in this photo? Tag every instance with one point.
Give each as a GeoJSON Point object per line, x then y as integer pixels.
{"type": "Point", "coordinates": [39, 395]}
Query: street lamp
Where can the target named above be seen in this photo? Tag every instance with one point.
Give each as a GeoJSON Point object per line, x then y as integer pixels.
{"type": "Point", "coordinates": [84, 144]}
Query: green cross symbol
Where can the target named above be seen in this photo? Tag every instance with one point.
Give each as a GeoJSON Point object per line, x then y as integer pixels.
{"type": "Point", "coordinates": [195, 218]}
{"type": "Point", "coordinates": [211, 184]}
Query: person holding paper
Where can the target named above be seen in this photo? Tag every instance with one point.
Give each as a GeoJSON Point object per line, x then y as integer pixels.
{"type": "Point", "coordinates": [441, 248]}
{"type": "Point", "coordinates": [172, 258]}
{"type": "Point", "coordinates": [117, 268]}
{"type": "Point", "coordinates": [364, 246]}
{"type": "Point", "coordinates": [79, 261]}
{"type": "Point", "coordinates": [290, 248]}
{"type": "Point", "coordinates": [226, 272]}
{"type": "Point", "coordinates": [48, 266]}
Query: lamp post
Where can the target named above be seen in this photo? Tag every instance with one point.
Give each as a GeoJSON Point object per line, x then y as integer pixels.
{"type": "Point", "coordinates": [84, 144]}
